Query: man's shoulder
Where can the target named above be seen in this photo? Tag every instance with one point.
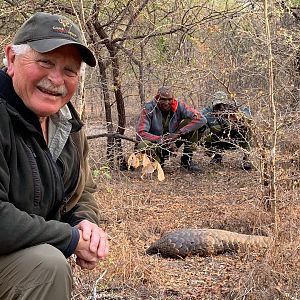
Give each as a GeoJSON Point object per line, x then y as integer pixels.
{"type": "Point", "coordinates": [182, 103]}
{"type": "Point", "coordinates": [3, 101]}
{"type": "Point", "coordinates": [207, 110]}
{"type": "Point", "coordinates": [150, 104]}
{"type": "Point", "coordinates": [246, 111]}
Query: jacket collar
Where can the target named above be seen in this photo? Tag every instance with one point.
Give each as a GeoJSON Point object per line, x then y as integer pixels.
{"type": "Point", "coordinates": [174, 105]}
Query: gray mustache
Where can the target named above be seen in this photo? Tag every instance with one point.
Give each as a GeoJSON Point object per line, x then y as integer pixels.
{"type": "Point", "coordinates": [47, 85]}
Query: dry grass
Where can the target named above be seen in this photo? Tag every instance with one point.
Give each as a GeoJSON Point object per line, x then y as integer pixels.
{"type": "Point", "coordinates": [136, 212]}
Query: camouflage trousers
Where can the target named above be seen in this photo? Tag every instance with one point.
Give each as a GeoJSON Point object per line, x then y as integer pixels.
{"type": "Point", "coordinates": [226, 140]}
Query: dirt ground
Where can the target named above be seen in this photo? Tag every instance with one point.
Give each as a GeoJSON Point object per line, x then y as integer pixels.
{"type": "Point", "coordinates": [136, 212]}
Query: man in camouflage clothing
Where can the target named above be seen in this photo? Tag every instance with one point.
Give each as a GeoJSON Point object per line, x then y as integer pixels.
{"type": "Point", "coordinates": [227, 128]}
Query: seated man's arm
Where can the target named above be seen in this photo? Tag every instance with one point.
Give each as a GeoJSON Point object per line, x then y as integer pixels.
{"type": "Point", "coordinates": [143, 128]}
{"type": "Point", "coordinates": [198, 120]}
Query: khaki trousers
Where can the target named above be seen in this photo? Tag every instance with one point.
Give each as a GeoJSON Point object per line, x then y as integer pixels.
{"type": "Point", "coordinates": [36, 273]}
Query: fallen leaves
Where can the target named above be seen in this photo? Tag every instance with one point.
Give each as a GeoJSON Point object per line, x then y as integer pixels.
{"type": "Point", "coordinates": [148, 166]}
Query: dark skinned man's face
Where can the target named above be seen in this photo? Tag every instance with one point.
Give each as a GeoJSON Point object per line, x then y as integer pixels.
{"type": "Point", "coordinates": [164, 104]}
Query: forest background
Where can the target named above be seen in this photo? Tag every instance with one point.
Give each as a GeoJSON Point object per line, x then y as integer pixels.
{"type": "Point", "coordinates": [247, 48]}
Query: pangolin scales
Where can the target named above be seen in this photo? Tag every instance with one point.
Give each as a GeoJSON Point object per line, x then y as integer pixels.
{"type": "Point", "coordinates": [203, 242]}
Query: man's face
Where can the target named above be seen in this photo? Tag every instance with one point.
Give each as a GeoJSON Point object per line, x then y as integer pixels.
{"type": "Point", "coordinates": [45, 81]}
{"type": "Point", "coordinates": [164, 104]}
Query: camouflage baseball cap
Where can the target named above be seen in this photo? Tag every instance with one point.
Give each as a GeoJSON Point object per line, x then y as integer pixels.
{"type": "Point", "coordinates": [220, 97]}
{"type": "Point", "coordinates": [45, 32]}
{"type": "Point", "coordinates": [165, 92]}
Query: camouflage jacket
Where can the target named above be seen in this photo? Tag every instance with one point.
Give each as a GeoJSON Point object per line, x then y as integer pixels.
{"type": "Point", "coordinates": [220, 121]}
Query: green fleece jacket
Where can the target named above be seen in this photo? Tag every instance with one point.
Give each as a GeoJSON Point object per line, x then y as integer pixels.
{"type": "Point", "coordinates": [41, 200]}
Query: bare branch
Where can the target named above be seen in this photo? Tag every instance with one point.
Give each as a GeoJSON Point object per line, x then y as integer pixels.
{"type": "Point", "coordinates": [112, 135]}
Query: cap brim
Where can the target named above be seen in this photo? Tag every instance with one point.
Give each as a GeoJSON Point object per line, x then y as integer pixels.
{"type": "Point", "coordinates": [214, 102]}
{"type": "Point", "coordinates": [47, 45]}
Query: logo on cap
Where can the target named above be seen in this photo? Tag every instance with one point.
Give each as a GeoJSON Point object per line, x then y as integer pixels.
{"type": "Point", "coordinates": [65, 28]}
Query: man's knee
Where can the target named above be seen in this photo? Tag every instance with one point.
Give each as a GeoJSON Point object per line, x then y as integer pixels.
{"type": "Point", "coordinates": [44, 264]}
{"type": "Point", "coordinates": [144, 145]}
{"type": "Point", "coordinates": [151, 149]}
{"type": "Point", "coordinates": [35, 273]}
{"type": "Point", "coordinates": [49, 258]}
{"type": "Point", "coordinates": [51, 273]}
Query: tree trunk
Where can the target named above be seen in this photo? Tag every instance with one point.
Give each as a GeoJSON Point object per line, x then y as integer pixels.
{"type": "Point", "coordinates": [107, 106]}
{"type": "Point", "coordinates": [120, 106]}
{"type": "Point", "coordinates": [272, 192]}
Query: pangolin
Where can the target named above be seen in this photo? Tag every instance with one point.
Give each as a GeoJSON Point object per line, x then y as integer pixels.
{"type": "Point", "coordinates": [203, 242]}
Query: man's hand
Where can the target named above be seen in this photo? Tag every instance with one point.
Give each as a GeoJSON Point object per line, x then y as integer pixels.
{"type": "Point", "coordinates": [97, 238]}
{"type": "Point", "coordinates": [92, 245]}
{"type": "Point", "coordinates": [173, 149]}
{"type": "Point", "coordinates": [85, 264]}
{"type": "Point", "coordinates": [170, 137]}
{"type": "Point", "coordinates": [84, 256]}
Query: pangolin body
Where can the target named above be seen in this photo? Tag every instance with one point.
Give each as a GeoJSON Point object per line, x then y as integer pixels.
{"type": "Point", "coordinates": [203, 242]}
